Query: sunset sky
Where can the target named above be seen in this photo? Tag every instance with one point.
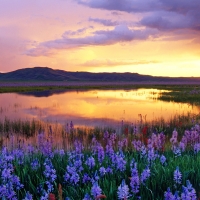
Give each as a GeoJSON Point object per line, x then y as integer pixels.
{"type": "Point", "coordinates": [154, 37]}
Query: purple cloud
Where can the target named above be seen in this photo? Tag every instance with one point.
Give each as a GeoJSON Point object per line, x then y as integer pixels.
{"type": "Point", "coordinates": [178, 14]}
{"type": "Point", "coordinates": [77, 32]}
{"type": "Point", "coordinates": [105, 22]}
{"type": "Point", "coordinates": [121, 5]}
{"type": "Point", "coordinates": [116, 13]}
{"type": "Point", "coordinates": [178, 6]}
{"type": "Point", "coordinates": [163, 21]}
{"type": "Point", "coordinates": [120, 33]}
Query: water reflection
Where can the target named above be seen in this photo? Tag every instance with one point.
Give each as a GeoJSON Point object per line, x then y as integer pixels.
{"type": "Point", "coordinates": [90, 108]}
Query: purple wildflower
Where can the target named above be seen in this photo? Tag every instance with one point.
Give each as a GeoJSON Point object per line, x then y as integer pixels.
{"type": "Point", "coordinates": [173, 139]}
{"type": "Point", "coordinates": [96, 190]}
{"type": "Point", "coordinates": [163, 159]}
{"type": "Point", "coordinates": [9, 182]}
{"type": "Point", "coordinates": [6, 174]}
{"type": "Point", "coordinates": [168, 195]}
{"type": "Point", "coordinates": [28, 196]}
{"type": "Point", "coordinates": [109, 170]}
{"type": "Point", "coordinates": [87, 197]}
{"type": "Point", "coordinates": [137, 144]}
{"type": "Point", "coordinates": [78, 164]}
{"type": "Point", "coordinates": [44, 196]}
{"type": "Point", "coordinates": [123, 191]}
{"type": "Point", "coordinates": [196, 147]}
{"type": "Point", "coordinates": [182, 146]}
{"type": "Point", "coordinates": [90, 162]}
{"type": "Point", "coordinates": [176, 196]}
{"type": "Point", "coordinates": [177, 176]}
{"type": "Point", "coordinates": [109, 150]}
{"type": "Point", "coordinates": [45, 145]}
{"type": "Point", "coordinates": [135, 181]}
{"type": "Point", "coordinates": [95, 178]}
{"type": "Point", "coordinates": [19, 156]}
{"type": "Point", "coordinates": [132, 164]}
{"type": "Point", "coordinates": [122, 143]}
{"type": "Point", "coordinates": [145, 175]}
{"type": "Point", "coordinates": [86, 178]}
{"type": "Point", "coordinates": [176, 151]}
{"type": "Point", "coordinates": [151, 155]}
{"type": "Point", "coordinates": [188, 192]}
{"type": "Point", "coordinates": [143, 151]}
{"type": "Point", "coordinates": [61, 152]}
{"type": "Point", "coordinates": [101, 153]}
{"type": "Point", "coordinates": [78, 147]}
{"type": "Point", "coordinates": [71, 175]}
{"type": "Point", "coordinates": [119, 161]}
{"type": "Point", "coordinates": [106, 135]}
{"type": "Point", "coordinates": [102, 171]}
{"type": "Point", "coordinates": [50, 174]}
{"type": "Point", "coordinates": [35, 164]}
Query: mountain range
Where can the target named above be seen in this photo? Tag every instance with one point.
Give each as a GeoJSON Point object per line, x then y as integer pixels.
{"type": "Point", "coordinates": [48, 74]}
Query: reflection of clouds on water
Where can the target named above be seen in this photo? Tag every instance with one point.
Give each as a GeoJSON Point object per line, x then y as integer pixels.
{"type": "Point", "coordinates": [46, 114]}
{"type": "Point", "coordinates": [84, 108]}
{"type": "Point", "coordinates": [36, 112]}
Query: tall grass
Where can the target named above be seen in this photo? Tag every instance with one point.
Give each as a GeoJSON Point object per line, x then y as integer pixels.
{"type": "Point", "coordinates": [28, 130]}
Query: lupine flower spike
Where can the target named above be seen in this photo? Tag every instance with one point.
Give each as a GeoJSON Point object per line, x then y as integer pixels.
{"type": "Point", "coordinates": [123, 191]}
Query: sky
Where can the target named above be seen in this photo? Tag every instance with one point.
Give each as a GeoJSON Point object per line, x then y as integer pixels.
{"type": "Point", "coordinates": [153, 37]}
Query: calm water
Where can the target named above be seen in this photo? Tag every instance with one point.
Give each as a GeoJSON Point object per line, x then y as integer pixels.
{"type": "Point", "coordinates": [91, 108]}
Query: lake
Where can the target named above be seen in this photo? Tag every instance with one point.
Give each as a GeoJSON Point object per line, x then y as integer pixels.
{"type": "Point", "coordinates": [91, 108]}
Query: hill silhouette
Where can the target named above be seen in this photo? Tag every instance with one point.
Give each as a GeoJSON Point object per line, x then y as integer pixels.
{"type": "Point", "coordinates": [48, 74]}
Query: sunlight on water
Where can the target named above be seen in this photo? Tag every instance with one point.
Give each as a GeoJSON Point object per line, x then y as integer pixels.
{"type": "Point", "coordinates": [91, 108]}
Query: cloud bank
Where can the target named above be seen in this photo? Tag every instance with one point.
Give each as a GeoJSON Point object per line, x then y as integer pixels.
{"type": "Point", "coordinates": [159, 18]}
{"type": "Point", "coordinates": [121, 33]}
{"type": "Point", "coordinates": [163, 14]}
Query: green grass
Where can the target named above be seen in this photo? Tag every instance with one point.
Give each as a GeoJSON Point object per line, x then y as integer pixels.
{"type": "Point", "coordinates": [161, 176]}
{"type": "Point", "coordinates": [182, 94]}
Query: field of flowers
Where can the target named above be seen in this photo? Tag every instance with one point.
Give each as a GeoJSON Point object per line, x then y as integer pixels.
{"type": "Point", "coordinates": [132, 165]}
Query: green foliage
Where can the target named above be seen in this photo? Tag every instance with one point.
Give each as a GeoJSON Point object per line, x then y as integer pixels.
{"type": "Point", "coordinates": [161, 176]}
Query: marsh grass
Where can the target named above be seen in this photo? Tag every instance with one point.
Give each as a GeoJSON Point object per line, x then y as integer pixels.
{"type": "Point", "coordinates": [182, 94]}
{"type": "Point", "coordinates": [28, 130]}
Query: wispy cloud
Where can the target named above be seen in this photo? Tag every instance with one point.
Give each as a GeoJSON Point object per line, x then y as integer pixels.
{"type": "Point", "coordinates": [121, 33]}
{"type": "Point", "coordinates": [77, 32]}
{"type": "Point", "coordinates": [108, 62]}
{"type": "Point", "coordinates": [105, 22]}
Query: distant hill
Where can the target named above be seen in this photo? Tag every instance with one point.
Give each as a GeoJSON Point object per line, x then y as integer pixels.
{"type": "Point", "coordinates": [48, 74]}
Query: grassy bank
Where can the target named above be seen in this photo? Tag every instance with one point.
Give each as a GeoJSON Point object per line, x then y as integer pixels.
{"type": "Point", "coordinates": [177, 92]}
{"type": "Point", "coordinates": [184, 94]}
